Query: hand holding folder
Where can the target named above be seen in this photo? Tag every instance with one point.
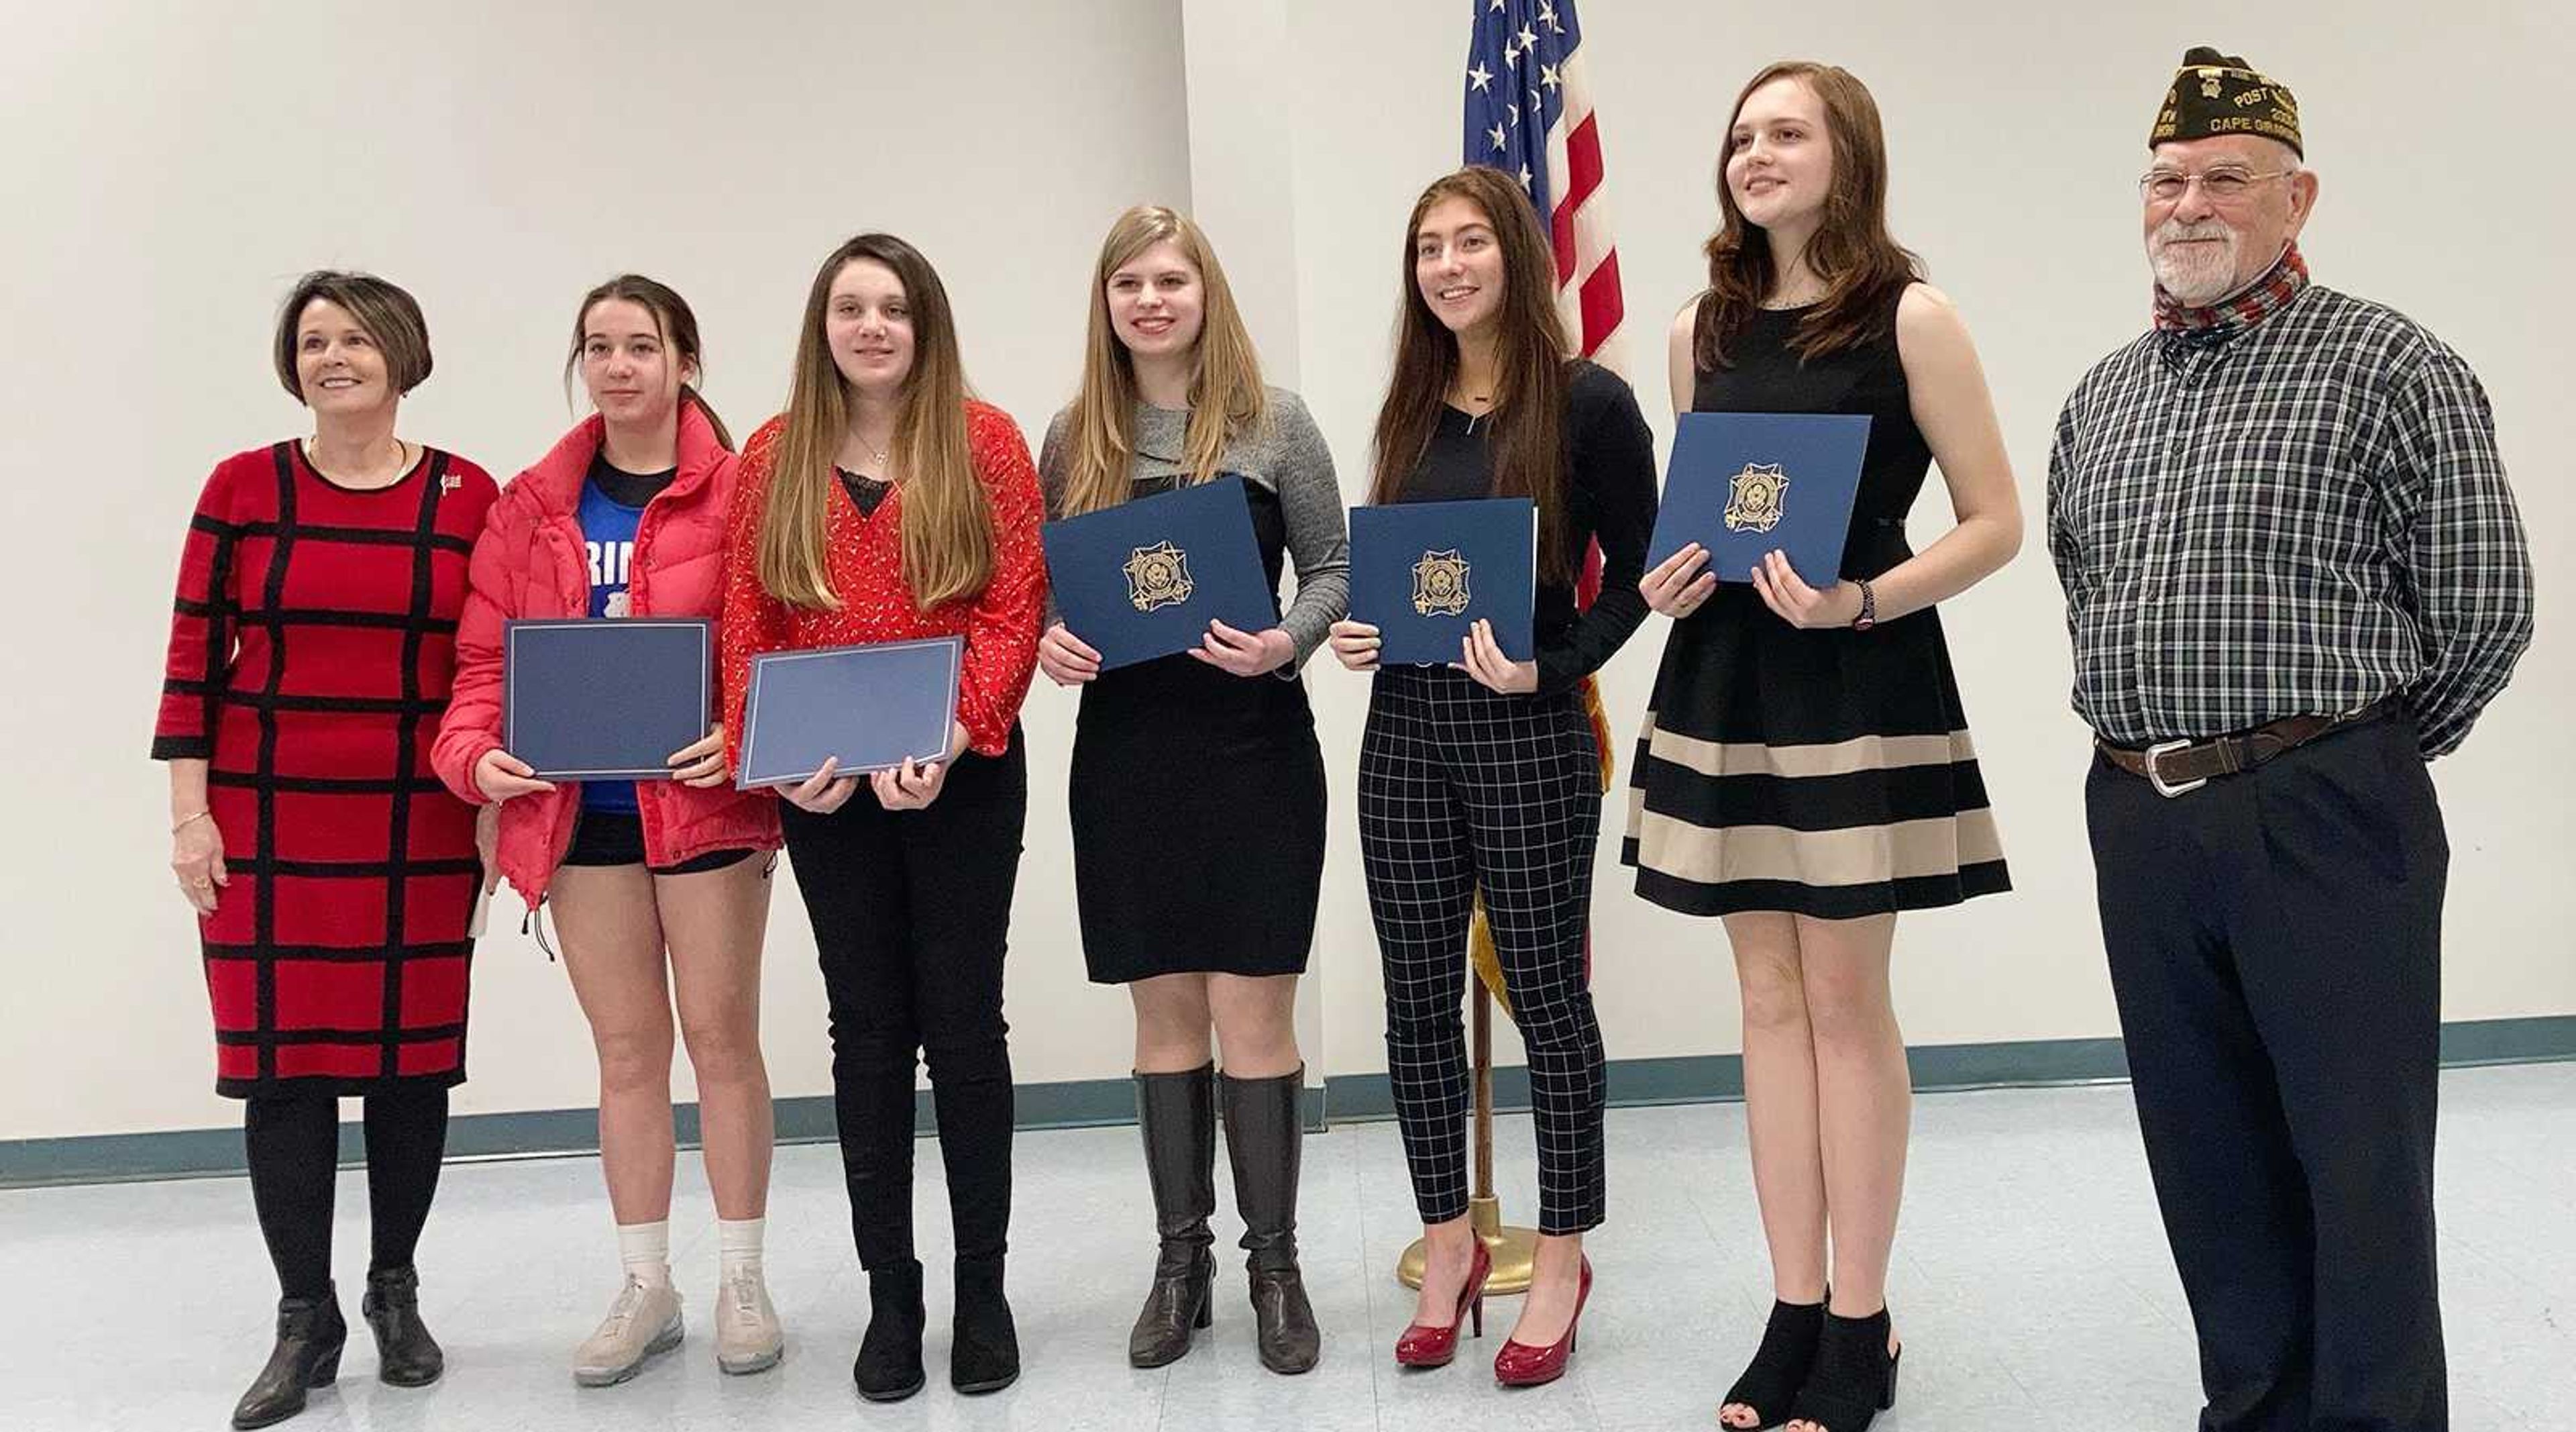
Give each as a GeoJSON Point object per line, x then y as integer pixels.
{"type": "Point", "coordinates": [1427, 574]}
{"type": "Point", "coordinates": [587, 699]}
{"type": "Point", "coordinates": [1153, 576]}
{"type": "Point", "coordinates": [1744, 485]}
{"type": "Point", "coordinates": [846, 711]}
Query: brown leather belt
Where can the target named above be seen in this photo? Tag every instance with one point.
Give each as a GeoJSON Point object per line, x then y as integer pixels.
{"type": "Point", "coordinates": [2180, 767]}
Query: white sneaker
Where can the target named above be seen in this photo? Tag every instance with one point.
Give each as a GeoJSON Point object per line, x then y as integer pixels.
{"type": "Point", "coordinates": [643, 1321]}
{"type": "Point", "coordinates": [748, 1338]}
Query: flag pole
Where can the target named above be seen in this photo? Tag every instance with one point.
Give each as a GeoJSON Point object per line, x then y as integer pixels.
{"type": "Point", "coordinates": [1513, 1248]}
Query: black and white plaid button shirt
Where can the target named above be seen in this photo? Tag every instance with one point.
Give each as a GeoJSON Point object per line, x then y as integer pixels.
{"type": "Point", "coordinates": [2293, 516]}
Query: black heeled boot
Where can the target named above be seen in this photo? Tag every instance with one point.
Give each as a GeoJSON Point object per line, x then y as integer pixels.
{"type": "Point", "coordinates": [1780, 1365]}
{"type": "Point", "coordinates": [984, 1350]}
{"type": "Point", "coordinates": [1855, 1375]}
{"type": "Point", "coordinates": [1177, 1114]}
{"type": "Point", "coordinates": [1263, 1139]}
{"type": "Point", "coordinates": [889, 1363]}
{"type": "Point", "coordinates": [406, 1355]}
{"type": "Point", "coordinates": [310, 1334]}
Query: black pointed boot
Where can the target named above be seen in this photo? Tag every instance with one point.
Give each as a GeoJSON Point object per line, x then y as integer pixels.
{"type": "Point", "coordinates": [1263, 1139]}
{"type": "Point", "coordinates": [406, 1355]}
{"type": "Point", "coordinates": [1177, 1113]}
{"type": "Point", "coordinates": [310, 1334]}
{"type": "Point", "coordinates": [889, 1363]}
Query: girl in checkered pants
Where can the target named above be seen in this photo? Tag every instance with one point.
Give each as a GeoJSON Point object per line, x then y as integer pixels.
{"type": "Point", "coordinates": [1484, 777]}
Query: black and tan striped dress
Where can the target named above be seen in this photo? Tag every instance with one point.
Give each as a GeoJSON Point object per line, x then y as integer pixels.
{"type": "Point", "coordinates": [1824, 773]}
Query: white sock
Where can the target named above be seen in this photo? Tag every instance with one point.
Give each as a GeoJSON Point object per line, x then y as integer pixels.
{"type": "Point", "coordinates": [738, 1246]}
{"type": "Point", "coordinates": [645, 1249]}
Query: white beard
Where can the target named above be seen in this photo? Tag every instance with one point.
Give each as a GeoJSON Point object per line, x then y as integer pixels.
{"type": "Point", "coordinates": [2196, 275]}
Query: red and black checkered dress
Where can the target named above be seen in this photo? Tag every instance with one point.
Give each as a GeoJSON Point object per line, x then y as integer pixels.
{"type": "Point", "coordinates": [310, 654]}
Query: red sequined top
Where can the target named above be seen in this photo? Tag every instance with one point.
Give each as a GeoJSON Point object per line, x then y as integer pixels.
{"type": "Point", "coordinates": [865, 562]}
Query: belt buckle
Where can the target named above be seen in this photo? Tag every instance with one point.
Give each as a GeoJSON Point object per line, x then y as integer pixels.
{"type": "Point", "coordinates": [2154, 756]}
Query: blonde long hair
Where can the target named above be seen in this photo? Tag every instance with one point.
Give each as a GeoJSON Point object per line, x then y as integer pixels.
{"type": "Point", "coordinates": [1226, 397]}
{"type": "Point", "coordinates": [947, 519]}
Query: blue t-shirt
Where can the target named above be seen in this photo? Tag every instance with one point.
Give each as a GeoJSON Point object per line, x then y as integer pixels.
{"type": "Point", "coordinates": [612, 506]}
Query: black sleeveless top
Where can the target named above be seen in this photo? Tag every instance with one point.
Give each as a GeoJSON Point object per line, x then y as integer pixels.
{"type": "Point", "coordinates": [1869, 377]}
{"type": "Point", "coordinates": [1829, 772]}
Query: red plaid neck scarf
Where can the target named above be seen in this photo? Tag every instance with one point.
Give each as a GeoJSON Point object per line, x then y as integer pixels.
{"type": "Point", "coordinates": [2242, 310]}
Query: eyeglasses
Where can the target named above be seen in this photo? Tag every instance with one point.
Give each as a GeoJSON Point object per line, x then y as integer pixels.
{"type": "Point", "coordinates": [2223, 185]}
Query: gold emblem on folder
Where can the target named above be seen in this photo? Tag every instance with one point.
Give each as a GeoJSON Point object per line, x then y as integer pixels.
{"type": "Point", "coordinates": [1440, 585]}
{"type": "Point", "coordinates": [1753, 500]}
{"type": "Point", "coordinates": [1158, 576]}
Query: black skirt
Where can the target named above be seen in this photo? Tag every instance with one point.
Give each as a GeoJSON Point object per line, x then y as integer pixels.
{"type": "Point", "coordinates": [1822, 773]}
{"type": "Point", "coordinates": [1197, 800]}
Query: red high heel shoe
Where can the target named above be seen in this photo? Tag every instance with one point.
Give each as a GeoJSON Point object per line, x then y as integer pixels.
{"type": "Point", "coordinates": [1422, 1346]}
{"type": "Point", "coordinates": [1521, 1365]}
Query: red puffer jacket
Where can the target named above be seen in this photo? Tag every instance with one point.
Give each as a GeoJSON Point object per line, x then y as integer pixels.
{"type": "Point", "coordinates": [530, 562]}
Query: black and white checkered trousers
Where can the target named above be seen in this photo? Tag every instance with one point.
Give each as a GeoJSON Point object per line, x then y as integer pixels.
{"type": "Point", "coordinates": [1462, 787]}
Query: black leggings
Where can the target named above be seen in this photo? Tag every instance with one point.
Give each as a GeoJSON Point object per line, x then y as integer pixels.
{"type": "Point", "coordinates": [292, 1138]}
{"type": "Point", "coordinates": [911, 914]}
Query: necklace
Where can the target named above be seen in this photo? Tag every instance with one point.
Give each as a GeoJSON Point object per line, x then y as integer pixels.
{"type": "Point", "coordinates": [362, 478]}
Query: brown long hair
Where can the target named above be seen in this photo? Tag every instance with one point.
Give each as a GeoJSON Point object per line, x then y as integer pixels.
{"type": "Point", "coordinates": [1226, 398]}
{"type": "Point", "coordinates": [947, 520]}
{"type": "Point", "coordinates": [1851, 251]}
{"type": "Point", "coordinates": [1527, 434]}
{"type": "Point", "coordinates": [672, 319]}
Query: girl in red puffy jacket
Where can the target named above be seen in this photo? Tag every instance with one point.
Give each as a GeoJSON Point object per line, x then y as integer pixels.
{"type": "Point", "coordinates": [658, 887]}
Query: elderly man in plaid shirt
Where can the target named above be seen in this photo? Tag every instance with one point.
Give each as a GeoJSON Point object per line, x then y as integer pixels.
{"type": "Point", "coordinates": [2294, 575]}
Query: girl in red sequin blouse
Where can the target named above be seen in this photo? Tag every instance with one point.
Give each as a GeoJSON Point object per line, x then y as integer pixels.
{"type": "Point", "coordinates": [886, 505]}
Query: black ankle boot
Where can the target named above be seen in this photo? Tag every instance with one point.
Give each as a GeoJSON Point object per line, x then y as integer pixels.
{"type": "Point", "coordinates": [984, 1354]}
{"type": "Point", "coordinates": [406, 1355]}
{"type": "Point", "coordinates": [1263, 1138]}
{"type": "Point", "coordinates": [1780, 1366]}
{"type": "Point", "coordinates": [889, 1364]}
{"type": "Point", "coordinates": [310, 1334]}
{"type": "Point", "coordinates": [1177, 1113]}
{"type": "Point", "coordinates": [1854, 1378]}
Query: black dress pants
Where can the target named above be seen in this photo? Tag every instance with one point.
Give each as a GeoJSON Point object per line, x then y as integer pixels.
{"type": "Point", "coordinates": [2275, 947]}
{"type": "Point", "coordinates": [911, 914]}
{"type": "Point", "coordinates": [1462, 790]}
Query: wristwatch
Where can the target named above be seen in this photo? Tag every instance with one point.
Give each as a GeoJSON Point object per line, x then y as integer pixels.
{"type": "Point", "coordinates": [1868, 608]}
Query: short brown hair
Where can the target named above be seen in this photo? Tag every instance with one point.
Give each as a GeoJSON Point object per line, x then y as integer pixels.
{"type": "Point", "coordinates": [388, 314]}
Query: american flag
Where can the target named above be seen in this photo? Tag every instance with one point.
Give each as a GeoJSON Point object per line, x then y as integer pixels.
{"type": "Point", "coordinates": [1529, 114]}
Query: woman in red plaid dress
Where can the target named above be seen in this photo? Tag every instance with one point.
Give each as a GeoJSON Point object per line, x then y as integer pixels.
{"type": "Point", "coordinates": [334, 878]}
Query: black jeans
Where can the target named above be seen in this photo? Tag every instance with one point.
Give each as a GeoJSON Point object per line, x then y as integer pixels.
{"type": "Point", "coordinates": [291, 1140]}
{"type": "Point", "coordinates": [2275, 946]}
{"type": "Point", "coordinates": [912, 913]}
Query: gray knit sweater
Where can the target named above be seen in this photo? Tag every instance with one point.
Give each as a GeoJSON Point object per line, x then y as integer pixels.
{"type": "Point", "coordinates": [1288, 456]}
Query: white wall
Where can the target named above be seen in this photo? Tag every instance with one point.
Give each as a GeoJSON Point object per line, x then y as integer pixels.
{"type": "Point", "coordinates": [2016, 129]}
{"type": "Point", "coordinates": [497, 159]}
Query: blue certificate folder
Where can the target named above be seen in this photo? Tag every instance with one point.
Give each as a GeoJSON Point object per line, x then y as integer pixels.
{"type": "Point", "coordinates": [1144, 578]}
{"type": "Point", "coordinates": [1743, 484]}
{"type": "Point", "coordinates": [1422, 573]}
{"type": "Point", "coordinates": [873, 706]}
{"type": "Point", "coordinates": [603, 700]}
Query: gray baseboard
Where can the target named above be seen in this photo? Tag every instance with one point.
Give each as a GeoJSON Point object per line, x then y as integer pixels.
{"type": "Point", "coordinates": [199, 1153]}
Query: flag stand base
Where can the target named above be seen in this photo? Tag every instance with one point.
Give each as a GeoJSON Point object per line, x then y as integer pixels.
{"type": "Point", "coordinates": [1513, 1249]}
